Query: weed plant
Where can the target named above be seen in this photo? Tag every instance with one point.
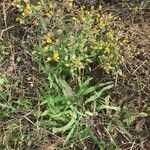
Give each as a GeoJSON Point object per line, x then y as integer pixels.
{"type": "Point", "coordinates": [65, 40]}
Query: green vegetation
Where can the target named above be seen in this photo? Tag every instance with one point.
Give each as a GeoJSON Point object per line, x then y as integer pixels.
{"type": "Point", "coordinates": [72, 77]}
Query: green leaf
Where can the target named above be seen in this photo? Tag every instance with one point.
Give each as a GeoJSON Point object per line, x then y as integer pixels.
{"type": "Point", "coordinates": [2, 81]}
{"type": "Point", "coordinates": [104, 84]}
{"type": "Point", "coordinates": [44, 113]}
{"type": "Point", "coordinates": [89, 113]}
{"type": "Point", "coordinates": [99, 94]}
{"type": "Point", "coordinates": [87, 91]}
{"type": "Point", "coordinates": [6, 106]}
{"type": "Point", "coordinates": [86, 83]}
{"type": "Point", "coordinates": [68, 90]}
{"type": "Point", "coordinates": [110, 107]}
{"type": "Point", "coordinates": [84, 86]}
{"type": "Point", "coordinates": [69, 135]}
{"type": "Point", "coordinates": [68, 126]}
{"type": "Point", "coordinates": [101, 144]}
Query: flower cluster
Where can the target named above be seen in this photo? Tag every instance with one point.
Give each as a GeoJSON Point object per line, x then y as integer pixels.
{"type": "Point", "coordinates": [73, 38]}
{"type": "Point", "coordinates": [33, 13]}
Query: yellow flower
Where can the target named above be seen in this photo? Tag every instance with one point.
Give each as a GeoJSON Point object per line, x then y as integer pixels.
{"type": "Point", "coordinates": [110, 34]}
{"type": "Point", "coordinates": [95, 47]}
{"type": "Point", "coordinates": [70, 3]}
{"type": "Point", "coordinates": [108, 66]}
{"type": "Point", "coordinates": [95, 30]}
{"type": "Point", "coordinates": [125, 41]}
{"type": "Point", "coordinates": [67, 65]}
{"type": "Point", "coordinates": [81, 17]}
{"type": "Point", "coordinates": [78, 63]}
{"type": "Point", "coordinates": [20, 20]}
{"type": "Point", "coordinates": [28, 6]}
{"type": "Point", "coordinates": [107, 50]}
{"type": "Point", "coordinates": [56, 56]}
{"type": "Point", "coordinates": [104, 57]}
{"type": "Point", "coordinates": [27, 10]}
{"type": "Point", "coordinates": [18, 6]}
{"type": "Point", "coordinates": [110, 16]}
{"type": "Point", "coordinates": [35, 22]}
{"type": "Point", "coordinates": [16, 3]}
{"type": "Point", "coordinates": [50, 5]}
{"type": "Point", "coordinates": [102, 24]}
{"type": "Point", "coordinates": [48, 59]}
{"type": "Point", "coordinates": [48, 40]}
{"type": "Point", "coordinates": [48, 14]}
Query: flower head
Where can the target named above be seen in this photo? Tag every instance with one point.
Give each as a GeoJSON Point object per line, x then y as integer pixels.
{"type": "Point", "coordinates": [20, 20]}
{"type": "Point", "coordinates": [67, 65]}
{"type": "Point", "coordinates": [48, 14]}
{"type": "Point", "coordinates": [107, 50]}
{"type": "Point", "coordinates": [35, 23]}
{"type": "Point", "coordinates": [27, 10]}
{"type": "Point", "coordinates": [56, 56]}
{"type": "Point", "coordinates": [47, 40]}
{"type": "Point", "coordinates": [110, 35]}
{"type": "Point", "coordinates": [126, 41]}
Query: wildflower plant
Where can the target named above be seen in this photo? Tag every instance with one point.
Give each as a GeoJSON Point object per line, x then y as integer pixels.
{"type": "Point", "coordinates": [68, 39]}
{"type": "Point", "coordinates": [55, 98]}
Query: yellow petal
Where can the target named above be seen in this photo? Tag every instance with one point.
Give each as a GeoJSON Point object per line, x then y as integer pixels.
{"type": "Point", "coordinates": [56, 56]}
{"type": "Point", "coordinates": [48, 40]}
